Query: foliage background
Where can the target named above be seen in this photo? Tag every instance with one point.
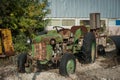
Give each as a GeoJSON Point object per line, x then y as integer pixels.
{"type": "Point", "coordinates": [25, 18]}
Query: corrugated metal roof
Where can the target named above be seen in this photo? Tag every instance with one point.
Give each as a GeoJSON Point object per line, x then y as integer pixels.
{"type": "Point", "coordinates": [82, 8]}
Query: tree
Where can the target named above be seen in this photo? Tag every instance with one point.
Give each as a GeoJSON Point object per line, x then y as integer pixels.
{"type": "Point", "coordinates": [25, 18]}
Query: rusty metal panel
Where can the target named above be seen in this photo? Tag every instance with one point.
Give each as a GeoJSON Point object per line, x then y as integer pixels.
{"type": "Point", "coordinates": [40, 51]}
{"type": "Point", "coordinates": [66, 33]}
{"type": "Point", "coordinates": [0, 46]}
{"type": "Point", "coordinates": [7, 42]}
{"type": "Point", "coordinates": [1, 51]}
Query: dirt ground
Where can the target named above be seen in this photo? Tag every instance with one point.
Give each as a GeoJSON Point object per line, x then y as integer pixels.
{"type": "Point", "coordinates": [104, 68]}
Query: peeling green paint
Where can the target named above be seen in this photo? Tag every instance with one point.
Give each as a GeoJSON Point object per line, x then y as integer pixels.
{"type": "Point", "coordinates": [77, 35]}
{"type": "Point", "coordinates": [49, 52]}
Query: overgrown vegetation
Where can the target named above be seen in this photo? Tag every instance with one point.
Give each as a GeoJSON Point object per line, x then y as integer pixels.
{"type": "Point", "coordinates": [25, 18]}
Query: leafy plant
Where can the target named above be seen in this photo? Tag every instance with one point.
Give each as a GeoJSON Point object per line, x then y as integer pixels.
{"type": "Point", "coordinates": [25, 18]}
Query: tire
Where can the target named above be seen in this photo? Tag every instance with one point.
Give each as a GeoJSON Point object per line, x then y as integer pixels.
{"type": "Point", "coordinates": [67, 65]}
{"type": "Point", "coordinates": [39, 66]}
{"type": "Point", "coordinates": [21, 62]}
{"type": "Point", "coordinates": [101, 50]}
{"type": "Point", "coordinates": [89, 48]}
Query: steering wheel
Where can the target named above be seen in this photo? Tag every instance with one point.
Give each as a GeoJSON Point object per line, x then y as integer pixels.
{"type": "Point", "coordinates": [56, 27]}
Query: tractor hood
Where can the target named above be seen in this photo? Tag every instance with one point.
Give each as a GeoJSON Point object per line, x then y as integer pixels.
{"type": "Point", "coordinates": [47, 37]}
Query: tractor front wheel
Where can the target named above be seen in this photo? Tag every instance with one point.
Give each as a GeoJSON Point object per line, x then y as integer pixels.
{"type": "Point", "coordinates": [67, 64]}
{"type": "Point", "coordinates": [21, 62]}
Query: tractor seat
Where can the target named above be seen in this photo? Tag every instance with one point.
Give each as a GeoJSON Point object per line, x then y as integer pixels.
{"type": "Point", "coordinates": [66, 33]}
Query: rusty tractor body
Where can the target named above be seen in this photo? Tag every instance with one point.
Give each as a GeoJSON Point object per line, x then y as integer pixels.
{"type": "Point", "coordinates": [54, 44]}
{"type": "Point", "coordinates": [61, 47]}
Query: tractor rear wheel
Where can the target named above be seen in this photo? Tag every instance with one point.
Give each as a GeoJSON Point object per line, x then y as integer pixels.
{"type": "Point", "coordinates": [67, 65]}
{"type": "Point", "coordinates": [89, 48]}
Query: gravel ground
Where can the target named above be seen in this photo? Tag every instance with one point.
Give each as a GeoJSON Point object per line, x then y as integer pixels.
{"type": "Point", "coordinates": [104, 68]}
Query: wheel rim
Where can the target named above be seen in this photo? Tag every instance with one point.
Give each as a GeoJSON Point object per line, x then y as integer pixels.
{"type": "Point", "coordinates": [93, 52]}
{"type": "Point", "coordinates": [70, 66]}
{"type": "Point", "coordinates": [29, 68]}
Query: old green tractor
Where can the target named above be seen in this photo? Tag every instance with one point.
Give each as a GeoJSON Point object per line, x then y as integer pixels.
{"type": "Point", "coordinates": [60, 47]}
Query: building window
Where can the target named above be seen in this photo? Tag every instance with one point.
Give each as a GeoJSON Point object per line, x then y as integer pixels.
{"type": "Point", "coordinates": [117, 22]}
{"type": "Point", "coordinates": [114, 22]}
{"type": "Point", "coordinates": [85, 23]}
{"type": "Point", "coordinates": [54, 22]}
{"type": "Point", "coordinates": [111, 23]}
{"type": "Point", "coordinates": [68, 22]}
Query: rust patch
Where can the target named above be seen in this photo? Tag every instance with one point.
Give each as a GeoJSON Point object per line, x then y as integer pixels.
{"type": "Point", "coordinates": [65, 33]}
{"type": "Point", "coordinates": [83, 28]}
{"type": "Point", "coordinates": [40, 51]}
